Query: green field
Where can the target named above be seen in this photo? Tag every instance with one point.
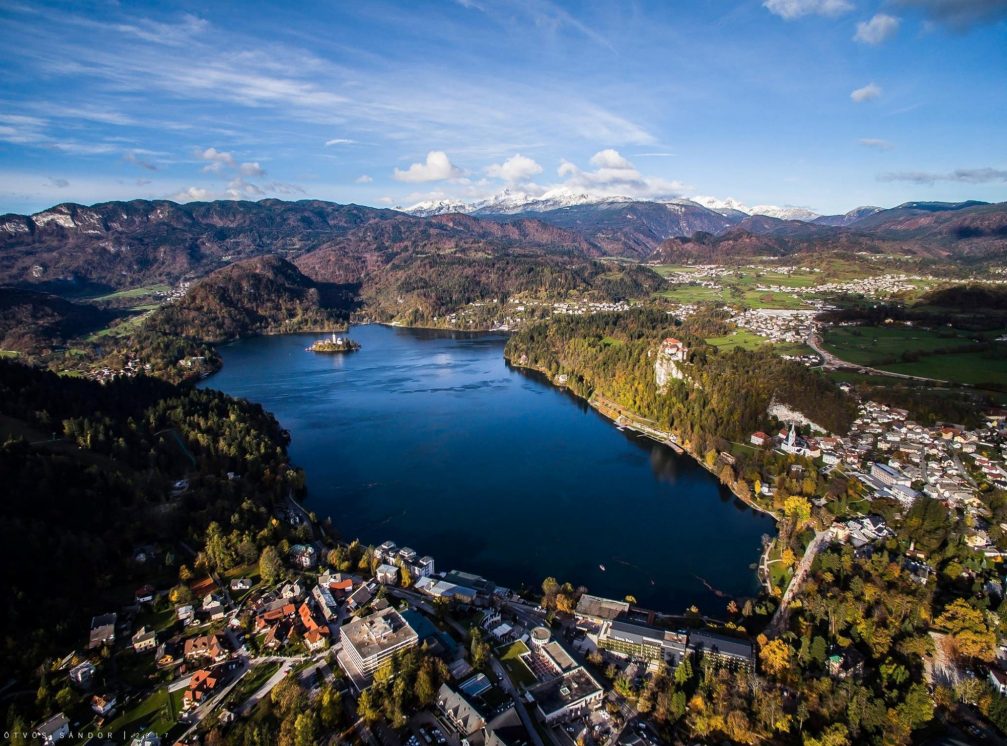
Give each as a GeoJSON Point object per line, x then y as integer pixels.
{"type": "Point", "coordinates": [133, 293]}
{"type": "Point", "coordinates": [158, 713]}
{"type": "Point", "coordinates": [121, 329]}
{"type": "Point", "coordinates": [742, 338]}
{"type": "Point", "coordinates": [930, 353]}
{"type": "Point", "coordinates": [870, 345]}
{"type": "Point", "coordinates": [973, 368]}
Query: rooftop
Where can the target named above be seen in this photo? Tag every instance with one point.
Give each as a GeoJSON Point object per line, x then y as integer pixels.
{"type": "Point", "coordinates": [602, 608]}
{"type": "Point", "coordinates": [381, 631]}
{"type": "Point", "coordinates": [571, 687]}
{"type": "Point", "coordinates": [724, 645]}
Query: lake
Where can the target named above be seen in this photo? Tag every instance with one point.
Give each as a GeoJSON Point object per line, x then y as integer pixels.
{"type": "Point", "coordinates": [432, 440]}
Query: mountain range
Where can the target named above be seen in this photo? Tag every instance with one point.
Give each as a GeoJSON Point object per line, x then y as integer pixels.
{"type": "Point", "coordinates": [73, 247]}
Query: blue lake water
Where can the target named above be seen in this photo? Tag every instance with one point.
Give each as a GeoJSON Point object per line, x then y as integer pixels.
{"type": "Point", "coordinates": [430, 439]}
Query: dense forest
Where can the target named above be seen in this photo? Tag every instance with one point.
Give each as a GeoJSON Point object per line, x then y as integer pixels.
{"type": "Point", "coordinates": [724, 395]}
{"type": "Point", "coordinates": [32, 321]}
{"type": "Point", "coordinates": [88, 477]}
{"type": "Point", "coordinates": [265, 295]}
{"type": "Point", "coordinates": [416, 290]}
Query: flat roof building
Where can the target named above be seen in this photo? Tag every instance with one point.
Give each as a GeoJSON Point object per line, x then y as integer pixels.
{"type": "Point", "coordinates": [370, 641]}
{"type": "Point", "coordinates": [643, 641]}
{"type": "Point", "coordinates": [731, 651]}
{"type": "Point", "coordinates": [572, 694]}
{"type": "Point", "coordinates": [598, 609]}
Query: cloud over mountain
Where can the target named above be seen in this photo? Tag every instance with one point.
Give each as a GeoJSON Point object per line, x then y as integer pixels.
{"type": "Point", "coordinates": [515, 169]}
{"type": "Point", "coordinates": [437, 167]}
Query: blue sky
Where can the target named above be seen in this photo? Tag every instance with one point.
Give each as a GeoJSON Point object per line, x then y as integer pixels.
{"type": "Point", "coordinates": [826, 104]}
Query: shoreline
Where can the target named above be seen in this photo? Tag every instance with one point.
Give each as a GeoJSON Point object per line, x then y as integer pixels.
{"type": "Point", "coordinates": [681, 449]}
{"type": "Point", "coordinates": [661, 437]}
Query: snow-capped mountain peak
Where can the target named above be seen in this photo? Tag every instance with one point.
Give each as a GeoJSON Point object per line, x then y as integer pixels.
{"type": "Point", "coordinates": [787, 212]}
{"type": "Point", "coordinates": [510, 202]}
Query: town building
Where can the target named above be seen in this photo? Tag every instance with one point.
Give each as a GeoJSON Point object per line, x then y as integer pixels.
{"type": "Point", "coordinates": [103, 704]}
{"type": "Point", "coordinates": [102, 631]}
{"type": "Point", "coordinates": [387, 574]}
{"type": "Point", "coordinates": [643, 641]}
{"type": "Point", "coordinates": [144, 639]}
{"type": "Point", "coordinates": [82, 674]}
{"type": "Point", "coordinates": [573, 694]}
{"type": "Point", "coordinates": [53, 730]}
{"type": "Point", "coordinates": [201, 686]}
{"type": "Point", "coordinates": [326, 601]}
{"type": "Point", "coordinates": [732, 652]}
{"type": "Point", "coordinates": [208, 647]}
{"type": "Point", "coordinates": [371, 640]}
{"type": "Point", "coordinates": [999, 681]}
{"type": "Point", "coordinates": [304, 556]}
{"type": "Point", "coordinates": [889, 475]}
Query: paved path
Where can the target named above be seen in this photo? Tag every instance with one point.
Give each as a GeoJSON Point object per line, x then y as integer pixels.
{"type": "Point", "coordinates": [286, 664]}
{"type": "Point", "coordinates": [779, 621]}
{"type": "Point", "coordinates": [831, 361]}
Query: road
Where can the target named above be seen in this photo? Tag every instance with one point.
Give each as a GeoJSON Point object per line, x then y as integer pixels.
{"type": "Point", "coordinates": [779, 621]}
{"type": "Point", "coordinates": [194, 717]}
{"type": "Point", "coordinates": [263, 691]}
{"type": "Point", "coordinates": [508, 686]}
{"type": "Point", "coordinates": [831, 361]}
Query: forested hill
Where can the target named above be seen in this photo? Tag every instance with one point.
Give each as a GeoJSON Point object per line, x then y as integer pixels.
{"type": "Point", "coordinates": [129, 244]}
{"type": "Point", "coordinates": [421, 290]}
{"type": "Point", "coordinates": [88, 470]}
{"type": "Point", "coordinates": [30, 319]}
{"type": "Point", "coordinates": [264, 295]}
{"type": "Point", "coordinates": [725, 396]}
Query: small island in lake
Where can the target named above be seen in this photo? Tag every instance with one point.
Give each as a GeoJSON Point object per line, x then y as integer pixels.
{"type": "Point", "coordinates": [334, 344]}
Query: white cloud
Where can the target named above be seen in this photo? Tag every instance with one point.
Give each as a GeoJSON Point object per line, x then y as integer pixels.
{"type": "Point", "coordinates": [192, 194]}
{"type": "Point", "coordinates": [218, 160]}
{"type": "Point", "coordinates": [876, 143]}
{"type": "Point", "coordinates": [869, 92]}
{"type": "Point", "coordinates": [610, 158]}
{"type": "Point", "coordinates": [58, 183]}
{"type": "Point", "coordinates": [339, 141]}
{"type": "Point", "coordinates": [880, 28]}
{"type": "Point", "coordinates": [614, 176]}
{"type": "Point", "coordinates": [515, 169]}
{"type": "Point", "coordinates": [791, 9]}
{"type": "Point", "coordinates": [363, 179]}
{"type": "Point", "coordinates": [437, 167]}
{"type": "Point", "coordinates": [252, 169]}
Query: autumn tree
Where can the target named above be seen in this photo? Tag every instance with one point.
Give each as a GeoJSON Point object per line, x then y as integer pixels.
{"type": "Point", "coordinates": [967, 626]}
{"type": "Point", "coordinates": [775, 657]}
{"type": "Point", "coordinates": [270, 566]}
